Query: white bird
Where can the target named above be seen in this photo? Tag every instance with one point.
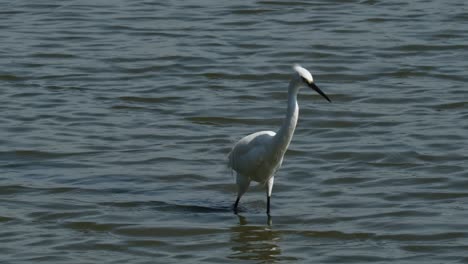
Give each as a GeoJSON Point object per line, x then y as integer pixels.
{"type": "Point", "coordinates": [257, 156]}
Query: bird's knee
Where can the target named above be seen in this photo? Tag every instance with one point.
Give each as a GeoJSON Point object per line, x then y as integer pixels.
{"type": "Point", "coordinates": [269, 186]}
{"type": "Point", "coordinates": [242, 185]}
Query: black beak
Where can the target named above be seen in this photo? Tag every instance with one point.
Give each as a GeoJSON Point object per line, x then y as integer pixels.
{"type": "Point", "coordinates": [315, 88]}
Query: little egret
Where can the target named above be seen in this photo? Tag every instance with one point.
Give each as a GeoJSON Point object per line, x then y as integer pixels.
{"type": "Point", "coordinates": [257, 156]}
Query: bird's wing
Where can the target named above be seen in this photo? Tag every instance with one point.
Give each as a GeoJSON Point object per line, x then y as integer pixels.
{"type": "Point", "coordinates": [250, 152]}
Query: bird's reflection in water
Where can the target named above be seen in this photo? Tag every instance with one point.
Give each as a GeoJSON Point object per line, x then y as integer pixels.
{"type": "Point", "coordinates": [255, 242]}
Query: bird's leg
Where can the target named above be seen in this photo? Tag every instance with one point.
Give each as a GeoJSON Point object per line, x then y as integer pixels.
{"type": "Point", "coordinates": [242, 186]}
{"type": "Point", "coordinates": [269, 189]}
{"type": "Point", "coordinates": [235, 204]}
{"type": "Point", "coordinates": [268, 205]}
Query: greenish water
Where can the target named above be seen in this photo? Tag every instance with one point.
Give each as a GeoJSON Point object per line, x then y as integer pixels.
{"type": "Point", "coordinates": [116, 118]}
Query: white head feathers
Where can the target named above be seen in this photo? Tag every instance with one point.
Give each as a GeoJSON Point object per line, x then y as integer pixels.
{"type": "Point", "coordinates": [303, 73]}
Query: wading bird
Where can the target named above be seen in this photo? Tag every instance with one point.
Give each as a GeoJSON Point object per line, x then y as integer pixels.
{"type": "Point", "coordinates": [257, 156]}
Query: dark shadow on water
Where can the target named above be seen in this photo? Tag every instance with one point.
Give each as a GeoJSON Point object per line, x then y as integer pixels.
{"type": "Point", "coordinates": [255, 242]}
{"type": "Point", "coordinates": [178, 206]}
{"type": "Point", "coordinates": [203, 209]}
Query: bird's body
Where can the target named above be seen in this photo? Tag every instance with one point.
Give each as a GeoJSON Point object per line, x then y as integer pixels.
{"type": "Point", "coordinates": [257, 156]}
{"type": "Point", "coordinates": [252, 156]}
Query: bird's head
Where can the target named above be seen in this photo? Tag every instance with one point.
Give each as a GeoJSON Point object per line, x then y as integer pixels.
{"type": "Point", "coordinates": [304, 78]}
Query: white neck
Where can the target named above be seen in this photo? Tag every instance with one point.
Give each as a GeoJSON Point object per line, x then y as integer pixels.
{"type": "Point", "coordinates": [285, 133]}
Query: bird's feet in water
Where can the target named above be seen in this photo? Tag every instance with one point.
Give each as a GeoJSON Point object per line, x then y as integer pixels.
{"type": "Point", "coordinates": [269, 220]}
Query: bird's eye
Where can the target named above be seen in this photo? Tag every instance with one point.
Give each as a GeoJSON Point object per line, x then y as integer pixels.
{"type": "Point", "coordinates": [305, 80]}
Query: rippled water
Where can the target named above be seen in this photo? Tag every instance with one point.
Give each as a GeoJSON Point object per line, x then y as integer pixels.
{"type": "Point", "coordinates": [117, 117]}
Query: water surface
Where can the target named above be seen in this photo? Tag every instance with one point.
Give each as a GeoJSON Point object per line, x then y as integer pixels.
{"type": "Point", "coordinates": [116, 118]}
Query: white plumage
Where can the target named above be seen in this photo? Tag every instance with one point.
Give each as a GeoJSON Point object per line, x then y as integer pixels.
{"type": "Point", "coordinates": [257, 156]}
